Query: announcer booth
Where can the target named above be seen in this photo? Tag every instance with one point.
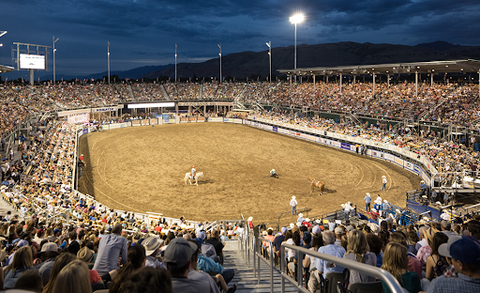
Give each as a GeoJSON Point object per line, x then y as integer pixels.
{"type": "Point", "coordinates": [156, 109]}
{"type": "Point", "coordinates": [106, 113]}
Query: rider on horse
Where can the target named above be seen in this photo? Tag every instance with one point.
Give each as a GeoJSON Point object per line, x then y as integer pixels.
{"type": "Point", "coordinates": [193, 172]}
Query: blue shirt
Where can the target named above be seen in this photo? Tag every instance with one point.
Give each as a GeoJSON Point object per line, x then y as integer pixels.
{"type": "Point", "coordinates": [367, 199]}
{"type": "Point", "coordinates": [463, 283]}
{"type": "Point", "coordinates": [325, 266]}
{"type": "Point", "coordinates": [110, 248]}
{"type": "Point", "coordinates": [208, 265]}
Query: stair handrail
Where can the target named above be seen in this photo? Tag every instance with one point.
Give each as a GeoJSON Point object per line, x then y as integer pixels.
{"type": "Point", "coordinates": [379, 273]}
{"type": "Point", "coordinates": [257, 256]}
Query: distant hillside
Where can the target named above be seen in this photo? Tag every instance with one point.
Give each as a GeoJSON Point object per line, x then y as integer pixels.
{"type": "Point", "coordinates": [252, 64]}
{"type": "Point", "coordinates": [135, 73]}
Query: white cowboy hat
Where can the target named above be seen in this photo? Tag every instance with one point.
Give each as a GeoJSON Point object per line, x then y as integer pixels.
{"type": "Point", "coordinates": [300, 215]}
{"type": "Point", "coordinates": [292, 225]}
{"type": "Point", "coordinates": [293, 196]}
{"type": "Point", "coordinates": [384, 176]}
{"type": "Point", "coordinates": [368, 194]}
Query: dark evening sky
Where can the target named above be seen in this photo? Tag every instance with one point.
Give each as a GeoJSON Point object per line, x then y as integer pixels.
{"type": "Point", "coordinates": [144, 32]}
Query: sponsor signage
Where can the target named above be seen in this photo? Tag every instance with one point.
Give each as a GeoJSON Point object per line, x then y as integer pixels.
{"type": "Point", "coordinates": [106, 109]}
{"type": "Point", "coordinates": [28, 61]}
{"type": "Point", "coordinates": [72, 112]}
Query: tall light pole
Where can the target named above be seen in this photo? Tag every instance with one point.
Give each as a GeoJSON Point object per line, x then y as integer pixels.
{"type": "Point", "coordinates": [220, 54]}
{"type": "Point", "coordinates": [296, 19]}
{"type": "Point", "coordinates": [269, 45]}
{"type": "Point", "coordinates": [1, 34]}
{"type": "Point", "coordinates": [54, 50]}
{"type": "Point", "coordinates": [108, 57]}
{"type": "Point", "coordinates": [175, 62]}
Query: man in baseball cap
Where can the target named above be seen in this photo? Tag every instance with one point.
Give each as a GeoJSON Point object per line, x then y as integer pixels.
{"type": "Point", "coordinates": [177, 257]}
{"type": "Point", "coordinates": [464, 252]}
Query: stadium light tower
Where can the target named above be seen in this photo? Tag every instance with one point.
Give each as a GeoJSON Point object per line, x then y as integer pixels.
{"type": "Point", "coordinates": [1, 34]}
{"type": "Point", "coordinates": [175, 62]}
{"type": "Point", "coordinates": [296, 19]}
{"type": "Point", "coordinates": [108, 59]}
{"type": "Point", "coordinates": [269, 45]}
{"type": "Point", "coordinates": [220, 54]}
{"type": "Point", "coordinates": [54, 50]}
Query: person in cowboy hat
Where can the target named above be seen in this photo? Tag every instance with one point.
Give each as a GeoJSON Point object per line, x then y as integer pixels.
{"type": "Point", "coordinates": [293, 204]}
{"type": "Point", "coordinates": [193, 172]}
{"type": "Point", "coordinates": [384, 182]}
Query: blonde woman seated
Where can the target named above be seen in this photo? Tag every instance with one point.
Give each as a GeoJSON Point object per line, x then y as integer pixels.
{"type": "Point", "coordinates": [358, 250]}
{"type": "Point", "coordinates": [395, 261]}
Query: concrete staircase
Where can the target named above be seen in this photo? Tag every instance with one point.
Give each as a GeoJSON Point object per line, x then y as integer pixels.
{"type": "Point", "coordinates": [245, 279]}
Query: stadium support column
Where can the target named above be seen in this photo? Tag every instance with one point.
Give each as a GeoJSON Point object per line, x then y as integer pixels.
{"type": "Point", "coordinates": [373, 75]}
{"type": "Point", "coordinates": [388, 79]}
{"type": "Point", "coordinates": [431, 79]}
{"type": "Point", "coordinates": [314, 80]}
{"type": "Point", "coordinates": [479, 82]}
{"type": "Point", "coordinates": [32, 77]}
{"type": "Point", "coordinates": [416, 84]}
{"type": "Point", "coordinates": [354, 79]}
{"type": "Point", "coordinates": [341, 82]}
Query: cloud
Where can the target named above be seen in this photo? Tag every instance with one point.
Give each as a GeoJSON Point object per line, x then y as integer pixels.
{"type": "Point", "coordinates": [148, 29]}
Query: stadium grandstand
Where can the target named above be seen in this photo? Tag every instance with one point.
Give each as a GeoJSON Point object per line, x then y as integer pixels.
{"type": "Point", "coordinates": [50, 230]}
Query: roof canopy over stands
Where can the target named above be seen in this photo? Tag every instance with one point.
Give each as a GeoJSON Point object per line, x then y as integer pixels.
{"type": "Point", "coordinates": [467, 65]}
{"type": "Point", "coordinates": [4, 68]}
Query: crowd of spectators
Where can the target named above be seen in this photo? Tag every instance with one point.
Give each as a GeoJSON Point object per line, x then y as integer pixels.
{"type": "Point", "coordinates": [39, 184]}
{"type": "Point", "coordinates": [429, 257]}
{"type": "Point", "coordinates": [445, 155]}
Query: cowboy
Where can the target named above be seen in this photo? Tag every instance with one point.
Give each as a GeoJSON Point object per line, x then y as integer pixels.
{"type": "Point", "coordinates": [384, 182]}
{"type": "Point", "coordinates": [273, 173]}
{"type": "Point", "coordinates": [293, 204]}
{"type": "Point", "coordinates": [193, 172]}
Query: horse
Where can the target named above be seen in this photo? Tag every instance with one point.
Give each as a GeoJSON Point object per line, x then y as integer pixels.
{"type": "Point", "coordinates": [188, 176]}
{"type": "Point", "coordinates": [315, 183]}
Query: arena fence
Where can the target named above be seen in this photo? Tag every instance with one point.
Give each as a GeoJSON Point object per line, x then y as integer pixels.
{"type": "Point", "coordinates": [401, 157]}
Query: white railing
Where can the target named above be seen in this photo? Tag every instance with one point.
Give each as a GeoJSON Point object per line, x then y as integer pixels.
{"type": "Point", "coordinates": [381, 274]}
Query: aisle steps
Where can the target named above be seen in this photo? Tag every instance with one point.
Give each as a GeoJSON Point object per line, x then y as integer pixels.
{"type": "Point", "coordinates": [245, 279]}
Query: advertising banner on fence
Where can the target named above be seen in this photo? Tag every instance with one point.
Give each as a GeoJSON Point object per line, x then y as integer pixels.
{"type": "Point", "coordinates": [78, 118]}
{"type": "Point", "coordinates": [212, 119]}
{"type": "Point", "coordinates": [345, 146]}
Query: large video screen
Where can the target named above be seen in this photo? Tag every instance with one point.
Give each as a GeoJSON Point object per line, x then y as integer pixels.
{"type": "Point", "coordinates": [32, 61]}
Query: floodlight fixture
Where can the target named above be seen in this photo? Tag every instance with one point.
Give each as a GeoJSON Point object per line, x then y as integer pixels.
{"type": "Point", "coordinates": [296, 19]}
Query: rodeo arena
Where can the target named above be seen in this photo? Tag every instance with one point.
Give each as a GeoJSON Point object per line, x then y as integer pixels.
{"type": "Point", "coordinates": [327, 184]}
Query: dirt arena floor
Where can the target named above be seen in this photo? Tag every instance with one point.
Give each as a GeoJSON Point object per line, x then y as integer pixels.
{"type": "Point", "coordinates": [142, 169]}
